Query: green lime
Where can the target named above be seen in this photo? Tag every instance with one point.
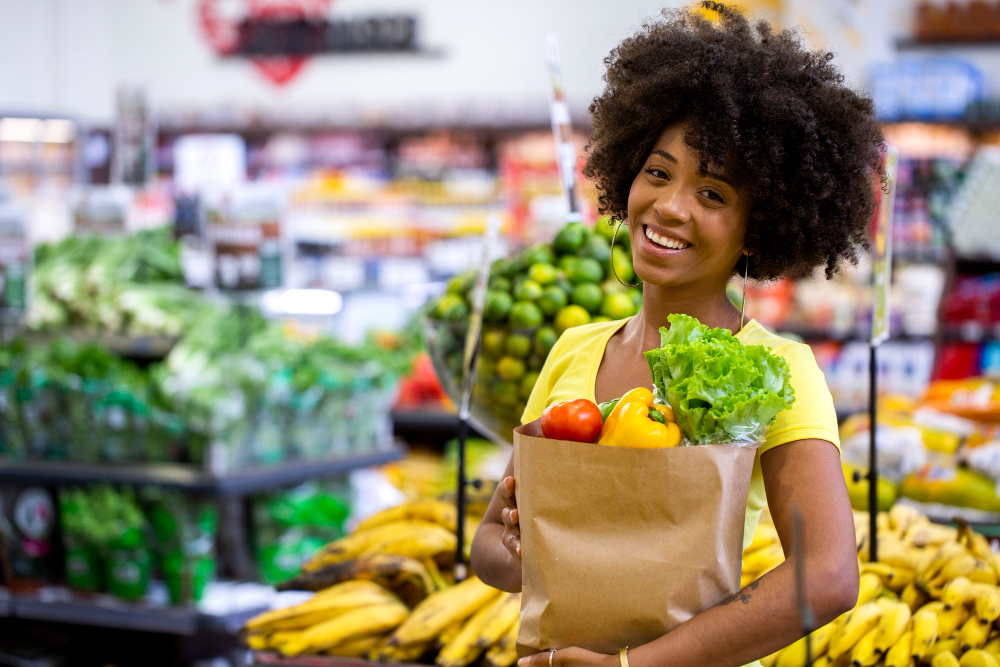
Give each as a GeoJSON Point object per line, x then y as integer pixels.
{"type": "Point", "coordinates": [605, 227]}
{"type": "Point", "coordinates": [461, 283]}
{"type": "Point", "coordinates": [623, 265]}
{"type": "Point", "coordinates": [566, 262]}
{"type": "Point", "coordinates": [500, 284]}
{"type": "Point", "coordinates": [588, 295]}
{"type": "Point", "coordinates": [493, 341]}
{"type": "Point", "coordinates": [518, 345]}
{"type": "Point", "coordinates": [507, 392]}
{"type": "Point", "coordinates": [452, 307]}
{"type": "Point", "coordinates": [636, 294]}
{"type": "Point", "coordinates": [552, 299]}
{"type": "Point", "coordinates": [525, 314]}
{"type": "Point", "coordinates": [610, 286]}
{"type": "Point", "coordinates": [571, 316]}
{"type": "Point", "coordinates": [545, 338]}
{"type": "Point", "coordinates": [601, 318]}
{"type": "Point", "coordinates": [485, 371]}
{"type": "Point", "coordinates": [598, 248]}
{"type": "Point", "coordinates": [543, 274]}
{"type": "Point", "coordinates": [498, 305]}
{"type": "Point", "coordinates": [535, 362]}
{"type": "Point", "coordinates": [586, 270]}
{"type": "Point", "coordinates": [527, 384]}
{"type": "Point", "coordinates": [509, 368]}
{"type": "Point", "coordinates": [527, 290]}
{"type": "Point", "coordinates": [617, 306]}
{"type": "Point", "coordinates": [570, 239]}
{"type": "Point", "coordinates": [540, 253]}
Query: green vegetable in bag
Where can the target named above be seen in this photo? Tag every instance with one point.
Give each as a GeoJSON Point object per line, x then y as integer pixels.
{"type": "Point", "coordinates": [719, 389]}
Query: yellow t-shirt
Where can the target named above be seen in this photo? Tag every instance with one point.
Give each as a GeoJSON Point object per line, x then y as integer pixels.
{"type": "Point", "coordinates": [570, 372]}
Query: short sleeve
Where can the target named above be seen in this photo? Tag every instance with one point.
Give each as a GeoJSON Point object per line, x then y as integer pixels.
{"type": "Point", "coordinates": [812, 416]}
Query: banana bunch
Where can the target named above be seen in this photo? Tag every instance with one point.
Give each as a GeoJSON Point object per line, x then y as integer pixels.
{"type": "Point", "coordinates": [342, 619]}
{"type": "Point", "coordinates": [932, 599]}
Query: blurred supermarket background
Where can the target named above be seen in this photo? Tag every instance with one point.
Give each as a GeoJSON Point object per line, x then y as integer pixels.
{"type": "Point", "coordinates": [235, 245]}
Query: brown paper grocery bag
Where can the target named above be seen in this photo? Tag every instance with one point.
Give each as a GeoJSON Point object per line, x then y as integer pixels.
{"type": "Point", "coordinates": [619, 545]}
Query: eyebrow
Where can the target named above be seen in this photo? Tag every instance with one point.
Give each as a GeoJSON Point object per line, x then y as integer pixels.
{"type": "Point", "coordinates": [711, 174]}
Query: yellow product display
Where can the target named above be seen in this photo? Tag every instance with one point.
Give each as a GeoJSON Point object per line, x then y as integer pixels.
{"type": "Point", "coordinates": [630, 424]}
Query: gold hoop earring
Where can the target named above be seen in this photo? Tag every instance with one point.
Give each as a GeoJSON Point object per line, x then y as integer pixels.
{"type": "Point", "coordinates": [746, 271]}
{"type": "Point", "coordinates": [612, 260]}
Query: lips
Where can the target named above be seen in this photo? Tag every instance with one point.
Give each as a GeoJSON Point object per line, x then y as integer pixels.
{"type": "Point", "coordinates": [663, 240]}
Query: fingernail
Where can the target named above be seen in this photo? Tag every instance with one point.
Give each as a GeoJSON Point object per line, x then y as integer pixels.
{"type": "Point", "coordinates": [518, 549]}
{"type": "Point", "coordinates": [522, 662]}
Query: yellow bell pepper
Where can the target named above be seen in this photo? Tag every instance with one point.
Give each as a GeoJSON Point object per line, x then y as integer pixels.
{"type": "Point", "coordinates": [629, 424]}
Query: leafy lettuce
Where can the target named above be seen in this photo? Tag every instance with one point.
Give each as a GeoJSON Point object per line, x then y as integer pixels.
{"type": "Point", "coordinates": [719, 389]}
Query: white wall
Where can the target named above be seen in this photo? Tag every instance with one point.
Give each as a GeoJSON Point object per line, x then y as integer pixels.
{"type": "Point", "coordinates": [68, 56]}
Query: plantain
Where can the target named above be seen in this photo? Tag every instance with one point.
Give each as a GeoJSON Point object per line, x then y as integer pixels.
{"type": "Point", "coordinates": [358, 543]}
{"type": "Point", "coordinates": [441, 609]}
{"type": "Point", "coordinates": [434, 511]}
{"type": "Point", "coordinates": [464, 648]}
{"type": "Point", "coordinates": [348, 626]}
{"type": "Point", "coordinates": [504, 652]}
{"type": "Point", "coordinates": [505, 617]}
{"type": "Point", "coordinates": [404, 576]}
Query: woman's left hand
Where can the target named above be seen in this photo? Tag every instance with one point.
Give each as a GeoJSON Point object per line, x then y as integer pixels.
{"type": "Point", "coordinates": [569, 657]}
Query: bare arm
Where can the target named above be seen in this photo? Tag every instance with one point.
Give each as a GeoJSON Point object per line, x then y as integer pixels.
{"type": "Point", "coordinates": [496, 548]}
{"type": "Point", "coordinates": [763, 617]}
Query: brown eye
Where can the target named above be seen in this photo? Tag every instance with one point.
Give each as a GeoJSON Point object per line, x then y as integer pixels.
{"type": "Point", "coordinates": [713, 195]}
{"type": "Point", "coordinates": [657, 173]}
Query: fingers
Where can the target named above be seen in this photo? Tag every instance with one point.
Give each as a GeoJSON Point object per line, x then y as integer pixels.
{"type": "Point", "coordinates": [512, 540]}
{"type": "Point", "coordinates": [506, 492]}
{"type": "Point", "coordinates": [509, 517]}
{"type": "Point", "coordinates": [540, 659]}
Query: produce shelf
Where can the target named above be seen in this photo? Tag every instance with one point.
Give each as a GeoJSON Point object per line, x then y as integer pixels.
{"type": "Point", "coordinates": [190, 478]}
{"type": "Point", "coordinates": [100, 610]}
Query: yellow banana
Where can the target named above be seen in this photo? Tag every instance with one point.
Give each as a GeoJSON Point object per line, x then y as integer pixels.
{"type": "Point", "coordinates": [950, 620]}
{"type": "Point", "coordinates": [763, 535]}
{"type": "Point", "coordinates": [441, 609]}
{"type": "Point", "coordinates": [993, 645]}
{"type": "Point", "coordinates": [763, 559]}
{"type": "Point", "coordinates": [973, 634]}
{"type": "Point", "coordinates": [356, 648]}
{"type": "Point", "coordinates": [858, 623]}
{"type": "Point", "coordinates": [942, 556]}
{"type": "Point", "coordinates": [504, 652]}
{"type": "Point", "coordinates": [900, 653]}
{"type": "Point", "coordinates": [942, 646]}
{"type": "Point", "coordinates": [793, 655]}
{"type": "Point", "coordinates": [954, 592]}
{"type": "Point", "coordinates": [434, 511]}
{"type": "Point", "coordinates": [822, 661]}
{"type": "Point", "coordinates": [869, 588]}
{"type": "Point", "coordinates": [925, 631]}
{"type": "Point", "coordinates": [770, 660]}
{"type": "Point", "coordinates": [903, 517]}
{"type": "Point", "coordinates": [449, 633]}
{"type": "Point", "coordinates": [945, 659]}
{"type": "Point", "coordinates": [397, 654]}
{"type": "Point", "coordinates": [913, 597]}
{"type": "Point", "coordinates": [863, 653]}
{"type": "Point", "coordinates": [927, 534]}
{"type": "Point", "coordinates": [983, 573]}
{"type": "Point", "coordinates": [891, 626]}
{"type": "Point", "coordinates": [415, 542]}
{"type": "Point", "coordinates": [820, 638]}
{"type": "Point", "coordinates": [351, 625]}
{"type": "Point", "coordinates": [958, 565]}
{"type": "Point", "coordinates": [978, 658]}
{"type": "Point", "coordinates": [329, 603]}
{"type": "Point", "coordinates": [357, 543]}
{"type": "Point", "coordinates": [987, 603]}
{"type": "Point", "coordinates": [464, 648]}
{"type": "Point", "coordinates": [404, 576]}
{"type": "Point", "coordinates": [506, 616]}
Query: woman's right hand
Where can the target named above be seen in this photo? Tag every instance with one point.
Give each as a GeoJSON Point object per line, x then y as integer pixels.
{"type": "Point", "coordinates": [511, 537]}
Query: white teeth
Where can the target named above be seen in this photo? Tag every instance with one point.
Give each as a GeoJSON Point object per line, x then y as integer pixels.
{"type": "Point", "coordinates": [665, 241]}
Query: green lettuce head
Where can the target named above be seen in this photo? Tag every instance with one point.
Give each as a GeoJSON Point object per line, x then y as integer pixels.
{"type": "Point", "coordinates": [720, 390]}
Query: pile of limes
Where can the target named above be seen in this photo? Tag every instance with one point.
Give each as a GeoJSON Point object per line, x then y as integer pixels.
{"type": "Point", "coordinates": [531, 299]}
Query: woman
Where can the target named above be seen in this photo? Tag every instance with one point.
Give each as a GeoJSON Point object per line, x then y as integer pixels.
{"type": "Point", "coordinates": [723, 148]}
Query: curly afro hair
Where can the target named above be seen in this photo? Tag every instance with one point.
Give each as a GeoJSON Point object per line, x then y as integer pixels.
{"type": "Point", "coordinates": [806, 147]}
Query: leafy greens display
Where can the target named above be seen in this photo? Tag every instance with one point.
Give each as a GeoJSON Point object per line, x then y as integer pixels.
{"type": "Point", "coordinates": [719, 389]}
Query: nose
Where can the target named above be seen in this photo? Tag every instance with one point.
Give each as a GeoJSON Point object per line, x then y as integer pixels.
{"type": "Point", "coordinates": [673, 205]}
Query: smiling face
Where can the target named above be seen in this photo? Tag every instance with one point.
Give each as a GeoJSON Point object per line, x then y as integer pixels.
{"type": "Point", "coordinates": [686, 225]}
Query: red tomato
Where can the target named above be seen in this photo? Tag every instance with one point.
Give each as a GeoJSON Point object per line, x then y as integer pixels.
{"type": "Point", "coordinates": [578, 420]}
